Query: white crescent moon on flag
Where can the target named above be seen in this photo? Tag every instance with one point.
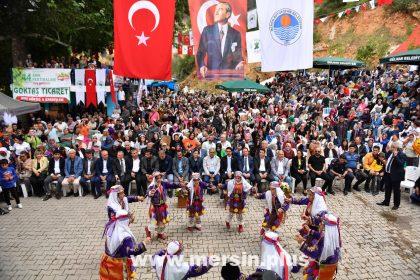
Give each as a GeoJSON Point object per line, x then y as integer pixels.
{"type": "Point", "coordinates": [201, 16]}
{"type": "Point", "coordinates": [89, 81]}
{"type": "Point", "coordinates": [144, 5]}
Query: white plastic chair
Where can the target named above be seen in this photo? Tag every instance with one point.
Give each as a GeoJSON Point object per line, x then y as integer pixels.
{"type": "Point", "coordinates": [25, 191]}
{"type": "Point", "coordinates": [412, 173]}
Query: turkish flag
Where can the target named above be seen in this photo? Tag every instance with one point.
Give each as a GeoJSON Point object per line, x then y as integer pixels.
{"type": "Point", "coordinates": [143, 37]}
{"type": "Point", "coordinates": [186, 40]}
{"type": "Point", "coordinates": [179, 49]}
{"type": "Point", "coordinates": [90, 82]}
{"type": "Point", "coordinates": [384, 2]}
{"type": "Point", "coordinates": [190, 50]}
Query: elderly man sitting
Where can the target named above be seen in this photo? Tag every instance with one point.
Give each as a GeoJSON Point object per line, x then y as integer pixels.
{"type": "Point", "coordinates": [73, 169]}
{"type": "Point", "coordinates": [280, 168]}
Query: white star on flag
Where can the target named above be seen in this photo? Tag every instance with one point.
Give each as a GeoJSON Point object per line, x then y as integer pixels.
{"type": "Point", "coordinates": [142, 39]}
{"type": "Point", "coordinates": [233, 20]}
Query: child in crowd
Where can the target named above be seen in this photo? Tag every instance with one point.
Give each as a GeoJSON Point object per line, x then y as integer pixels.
{"type": "Point", "coordinates": [8, 179]}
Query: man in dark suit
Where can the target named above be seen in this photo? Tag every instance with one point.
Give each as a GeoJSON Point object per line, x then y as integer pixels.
{"type": "Point", "coordinates": [195, 163]}
{"type": "Point", "coordinates": [228, 165]}
{"type": "Point", "coordinates": [220, 43]}
{"type": "Point", "coordinates": [122, 173]}
{"type": "Point", "coordinates": [148, 165]}
{"type": "Point", "coordinates": [246, 165]}
{"type": "Point", "coordinates": [104, 171]}
{"type": "Point", "coordinates": [88, 171]}
{"type": "Point", "coordinates": [262, 169]}
{"type": "Point", "coordinates": [394, 174]}
{"type": "Point", "coordinates": [56, 173]}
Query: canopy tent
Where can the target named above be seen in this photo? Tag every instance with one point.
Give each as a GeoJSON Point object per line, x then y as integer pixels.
{"type": "Point", "coordinates": [15, 107]}
{"type": "Point", "coordinates": [413, 41]}
{"type": "Point", "coordinates": [411, 57]}
{"type": "Point", "coordinates": [170, 85]}
{"type": "Point", "coordinates": [242, 86]}
{"type": "Point", "coordinates": [337, 63]}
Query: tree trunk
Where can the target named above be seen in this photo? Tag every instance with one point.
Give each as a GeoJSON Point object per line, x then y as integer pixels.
{"type": "Point", "coordinates": [18, 51]}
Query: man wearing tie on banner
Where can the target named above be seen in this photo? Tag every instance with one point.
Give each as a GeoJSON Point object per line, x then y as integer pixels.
{"type": "Point", "coordinates": [220, 43]}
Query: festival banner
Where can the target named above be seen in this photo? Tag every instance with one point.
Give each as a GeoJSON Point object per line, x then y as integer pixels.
{"type": "Point", "coordinates": [253, 46]}
{"type": "Point", "coordinates": [286, 34]}
{"type": "Point", "coordinates": [219, 30]}
{"type": "Point", "coordinates": [43, 85]}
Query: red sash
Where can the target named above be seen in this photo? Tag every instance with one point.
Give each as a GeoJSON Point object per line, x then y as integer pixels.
{"type": "Point", "coordinates": [279, 251]}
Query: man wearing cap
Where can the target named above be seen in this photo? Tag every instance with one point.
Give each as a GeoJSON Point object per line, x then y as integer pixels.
{"type": "Point", "coordinates": [169, 264]}
{"type": "Point", "coordinates": [275, 213]}
{"type": "Point", "coordinates": [73, 171]}
{"type": "Point", "coordinates": [120, 245]}
{"type": "Point", "coordinates": [88, 172]}
{"type": "Point", "coordinates": [236, 191]}
{"type": "Point", "coordinates": [56, 168]}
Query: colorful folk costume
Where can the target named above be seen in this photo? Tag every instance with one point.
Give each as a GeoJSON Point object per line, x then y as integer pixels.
{"type": "Point", "coordinates": [195, 206]}
{"type": "Point", "coordinates": [158, 210]}
{"type": "Point", "coordinates": [118, 201]}
{"type": "Point", "coordinates": [275, 258]}
{"type": "Point", "coordinates": [275, 213]}
{"type": "Point", "coordinates": [237, 191]}
{"type": "Point", "coordinates": [169, 264]}
{"type": "Point", "coordinates": [323, 247]}
{"type": "Point", "coordinates": [120, 245]}
{"type": "Point", "coordinates": [315, 208]}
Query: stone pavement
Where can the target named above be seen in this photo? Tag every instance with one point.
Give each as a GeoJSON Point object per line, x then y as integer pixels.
{"type": "Point", "coordinates": [62, 239]}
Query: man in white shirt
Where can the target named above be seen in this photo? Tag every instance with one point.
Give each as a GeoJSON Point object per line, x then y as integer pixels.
{"type": "Point", "coordinates": [211, 167]}
{"type": "Point", "coordinates": [207, 145]}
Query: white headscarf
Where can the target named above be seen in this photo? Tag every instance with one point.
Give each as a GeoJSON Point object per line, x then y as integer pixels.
{"type": "Point", "coordinates": [270, 257]}
{"type": "Point", "coordinates": [119, 232]}
{"type": "Point", "coordinates": [113, 202]}
{"type": "Point", "coordinates": [331, 236]}
{"type": "Point", "coordinates": [245, 184]}
{"type": "Point", "coordinates": [279, 194]}
{"type": "Point", "coordinates": [175, 268]}
{"type": "Point", "coordinates": [318, 204]}
{"type": "Point", "coordinates": [190, 185]}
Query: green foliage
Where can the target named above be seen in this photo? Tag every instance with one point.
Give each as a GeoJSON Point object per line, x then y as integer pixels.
{"type": "Point", "coordinates": [408, 28]}
{"type": "Point", "coordinates": [334, 6]}
{"type": "Point", "coordinates": [317, 37]}
{"type": "Point", "coordinates": [182, 66]}
{"type": "Point", "coordinates": [182, 16]}
{"type": "Point", "coordinates": [403, 6]}
{"type": "Point", "coordinates": [365, 53]}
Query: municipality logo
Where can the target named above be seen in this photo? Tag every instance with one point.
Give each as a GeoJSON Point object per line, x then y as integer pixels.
{"type": "Point", "coordinates": [286, 26]}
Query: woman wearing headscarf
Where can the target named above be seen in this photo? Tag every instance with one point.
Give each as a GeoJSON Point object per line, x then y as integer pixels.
{"type": "Point", "coordinates": [118, 201]}
{"type": "Point", "coordinates": [323, 248]}
{"type": "Point", "coordinates": [169, 264]}
{"type": "Point", "coordinates": [120, 246]}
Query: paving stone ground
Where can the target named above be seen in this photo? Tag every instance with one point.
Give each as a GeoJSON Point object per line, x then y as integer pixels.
{"type": "Point", "coordinates": [62, 239]}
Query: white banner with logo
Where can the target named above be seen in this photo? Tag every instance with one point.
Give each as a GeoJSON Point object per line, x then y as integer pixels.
{"type": "Point", "coordinates": [43, 85]}
{"type": "Point", "coordinates": [286, 34]}
{"type": "Point", "coordinates": [253, 46]}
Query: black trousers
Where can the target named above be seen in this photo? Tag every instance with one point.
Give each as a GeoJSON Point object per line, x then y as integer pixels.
{"type": "Point", "coordinates": [326, 177]}
{"type": "Point", "coordinates": [301, 178]}
{"type": "Point", "coordinates": [392, 186]}
{"type": "Point", "coordinates": [125, 182]}
{"type": "Point", "coordinates": [13, 192]}
{"type": "Point", "coordinates": [37, 183]}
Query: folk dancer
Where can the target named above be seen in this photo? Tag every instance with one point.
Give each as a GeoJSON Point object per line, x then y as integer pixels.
{"type": "Point", "coordinates": [120, 245]}
{"type": "Point", "coordinates": [275, 213]}
{"type": "Point", "coordinates": [195, 206]}
{"type": "Point", "coordinates": [169, 265]}
{"type": "Point", "coordinates": [158, 210]}
{"type": "Point", "coordinates": [237, 191]}
{"type": "Point", "coordinates": [323, 247]}
{"type": "Point", "coordinates": [118, 201]}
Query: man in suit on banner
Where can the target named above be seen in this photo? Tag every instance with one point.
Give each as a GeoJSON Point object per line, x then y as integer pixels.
{"type": "Point", "coordinates": [220, 43]}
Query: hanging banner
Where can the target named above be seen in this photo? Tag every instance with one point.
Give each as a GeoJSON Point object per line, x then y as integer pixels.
{"type": "Point", "coordinates": [219, 30]}
{"type": "Point", "coordinates": [43, 85]}
{"type": "Point", "coordinates": [252, 19]}
{"type": "Point", "coordinates": [253, 46]}
{"type": "Point", "coordinates": [79, 79]}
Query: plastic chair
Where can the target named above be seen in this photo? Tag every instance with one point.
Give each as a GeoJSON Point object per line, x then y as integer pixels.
{"type": "Point", "coordinates": [412, 173]}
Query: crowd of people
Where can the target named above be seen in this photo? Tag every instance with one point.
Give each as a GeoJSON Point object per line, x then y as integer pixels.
{"type": "Point", "coordinates": [361, 127]}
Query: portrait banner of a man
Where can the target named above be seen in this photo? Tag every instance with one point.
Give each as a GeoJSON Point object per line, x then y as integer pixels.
{"type": "Point", "coordinates": [219, 29]}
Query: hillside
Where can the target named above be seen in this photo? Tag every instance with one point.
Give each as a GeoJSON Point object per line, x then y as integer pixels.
{"type": "Point", "coordinates": [367, 35]}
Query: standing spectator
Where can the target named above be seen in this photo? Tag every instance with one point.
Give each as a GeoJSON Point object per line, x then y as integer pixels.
{"type": "Point", "coordinates": [39, 172]}
{"type": "Point", "coordinates": [412, 157]}
{"type": "Point", "coordinates": [56, 173]}
{"type": "Point", "coordinates": [73, 171]}
{"type": "Point", "coordinates": [121, 96]}
{"type": "Point", "coordinates": [8, 180]}
{"type": "Point", "coordinates": [394, 174]}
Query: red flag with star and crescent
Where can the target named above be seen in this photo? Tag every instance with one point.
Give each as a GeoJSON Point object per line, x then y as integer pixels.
{"type": "Point", "coordinates": [143, 35]}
